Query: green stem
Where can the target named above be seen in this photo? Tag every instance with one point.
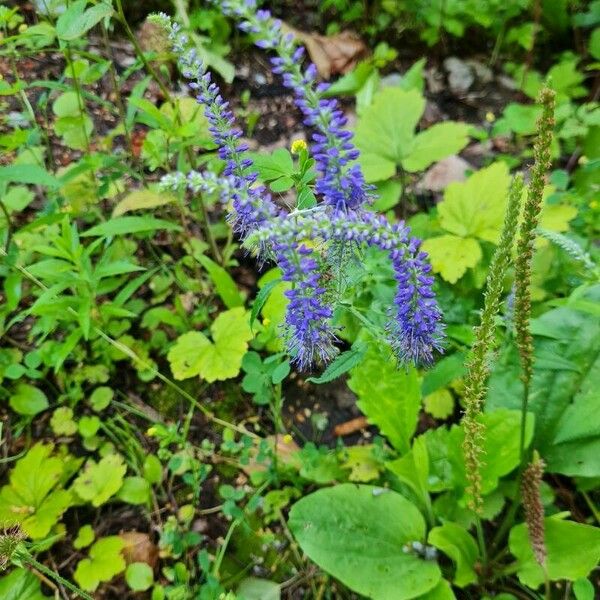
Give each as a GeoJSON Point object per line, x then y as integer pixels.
{"type": "Point", "coordinates": [28, 560]}
{"type": "Point", "coordinates": [8, 226]}
{"type": "Point", "coordinates": [481, 541]}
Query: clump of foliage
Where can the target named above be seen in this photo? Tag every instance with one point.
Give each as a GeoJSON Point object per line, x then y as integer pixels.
{"type": "Point", "coordinates": [169, 298]}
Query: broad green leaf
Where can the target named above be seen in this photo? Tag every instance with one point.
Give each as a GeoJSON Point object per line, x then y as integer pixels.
{"type": "Point", "coordinates": [139, 576]}
{"type": "Point", "coordinates": [583, 588]}
{"type": "Point", "coordinates": [359, 534]}
{"type": "Point", "coordinates": [475, 207]}
{"type": "Point", "coordinates": [184, 354]}
{"type": "Point", "coordinates": [253, 588]}
{"type": "Point", "coordinates": [28, 400]}
{"type": "Point", "coordinates": [100, 481]}
{"type": "Point", "coordinates": [412, 469]}
{"type": "Point", "coordinates": [125, 225]}
{"type": "Point", "coordinates": [451, 256]}
{"type": "Point", "coordinates": [142, 199]}
{"type": "Point", "coordinates": [437, 142]}
{"type": "Point", "coordinates": [573, 550]}
{"type": "Point", "coordinates": [194, 354]}
{"type": "Point", "coordinates": [224, 283]}
{"type": "Point", "coordinates": [21, 584]}
{"type": "Point", "coordinates": [76, 21]}
{"type": "Point", "coordinates": [389, 397]}
{"type": "Point", "coordinates": [457, 543]}
{"type": "Point", "coordinates": [386, 128]}
{"type": "Point", "coordinates": [33, 174]}
{"type": "Point", "coordinates": [104, 562]}
{"type": "Point", "coordinates": [376, 168]}
{"type": "Point", "coordinates": [563, 400]}
{"type": "Point", "coordinates": [443, 591]}
{"type": "Point", "coordinates": [34, 498]}
{"type": "Point", "coordinates": [363, 465]}
{"type": "Point", "coordinates": [273, 166]}
{"type": "Point", "coordinates": [135, 490]}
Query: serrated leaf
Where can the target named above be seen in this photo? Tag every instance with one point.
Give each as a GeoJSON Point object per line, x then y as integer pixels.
{"type": "Point", "coordinates": [451, 256]}
{"type": "Point", "coordinates": [475, 207]}
{"type": "Point", "coordinates": [100, 481]}
{"type": "Point", "coordinates": [34, 498]}
{"type": "Point", "coordinates": [386, 128]}
{"type": "Point", "coordinates": [194, 354]}
{"type": "Point", "coordinates": [342, 364]}
{"type": "Point", "coordinates": [437, 142]}
{"type": "Point", "coordinates": [389, 397]}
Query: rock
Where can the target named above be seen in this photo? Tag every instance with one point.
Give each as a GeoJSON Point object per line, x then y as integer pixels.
{"type": "Point", "coordinates": [453, 168]}
{"type": "Point", "coordinates": [482, 72]}
{"type": "Point", "coordinates": [460, 75]}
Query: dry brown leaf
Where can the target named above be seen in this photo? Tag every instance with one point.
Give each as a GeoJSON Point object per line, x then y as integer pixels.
{"type": "Point", "coordinates": [350, 427]}
{"type": "Point", "coordinates": [139, 548]}
{"type": "Point", "coordinates": [332, 54]}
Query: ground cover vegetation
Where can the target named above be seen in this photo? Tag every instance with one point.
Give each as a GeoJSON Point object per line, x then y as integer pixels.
{"type": "Point", "coordinates": [299, 300]}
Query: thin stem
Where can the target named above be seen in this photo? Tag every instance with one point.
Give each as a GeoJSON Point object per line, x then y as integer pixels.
{"type": "Point", "coordinates": [28, 560]}
{"type": "Point", "coordinates": [481, 541]}
{"type": "Point", "coordinates": [8, 226]}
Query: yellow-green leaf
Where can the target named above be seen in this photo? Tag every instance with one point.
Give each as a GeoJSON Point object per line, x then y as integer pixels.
{"type": "Point", "coordinates": [475, 207]}
{"type": "Point", "coordinates": [451, 255]}
{"type": "Point", "coordinates": [142, 199]}
{"type": "Point", "coordinates": [184, 355]}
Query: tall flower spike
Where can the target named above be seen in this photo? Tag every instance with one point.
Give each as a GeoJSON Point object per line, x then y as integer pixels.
{"type": "Point", "coordinates": [252, 205]}
{"type": "Point", "coordinates": [527, 233]}
{"type": "Point", "coordinates": [534, 508]}
{"type": "Point", "coordinates": [308, 331]}
{"type": "Point", "coordinates": [478, 367]}
{"type": "Point", "coordinates": [341, 184]}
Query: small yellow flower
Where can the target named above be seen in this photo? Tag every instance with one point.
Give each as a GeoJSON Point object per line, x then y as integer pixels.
{"type": "Point", "coordinates": [266, 322]}
{"type": "Point", "coordinates": [22, 28]}
{"type": "Point", "coordinates": [287, 439]}
{"type": "Point", "coordinates": [151, 431]}
{"type": "Point", "coordinates": [490, 117]}
{"type": "Point", "coordinates": [583, 159]}
{"type": "Point", "coordinates": [298, 146]}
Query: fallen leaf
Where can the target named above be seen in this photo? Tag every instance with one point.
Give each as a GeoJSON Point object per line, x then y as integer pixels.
{"type": "Point", "coordinates": [332, 54]}
{"type": "Point", "coordinates": [139, 548]}
{"type": "Point", "coordinates": [447, 170]}
{"type": "Point", "coordinates": [350, 427]}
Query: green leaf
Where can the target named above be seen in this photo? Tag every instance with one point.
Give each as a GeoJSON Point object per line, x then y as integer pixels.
{"type": "Point", "coordinates": [475, 207]}
{"type": "Point", "coordinates": [342, 364]}
{"type": "Point", "coordinates": [33, 174]}
{"type": "Point", "coordinates": [62, 422]}
{"type": "Point", "coordinates": [457, 543]}
{"type": "Point", "coordinates": [224, 283]}
{"type": "Point", "coordinates": [141, 199]}
{"type": "Point", "coordinates": [100, 481]}
{"type": "Point", "coordinates": [389, 397]}
{"type": "Point", "coordinates": [139, 576]}
{"type": "Point", "coordinates": [34, 498]}
{"type": "Point", "coordinates": [563, 401]}
{"type": "Point", "coordinates": [412, 469]}
{"type": "Point", "coordinates": [261, 298]}
{"type": "Point", "coordinates": [28, 400]}
{"type": "Point", "coordinates": [573, 550]}
{"type": "Point", "coordinates": [104, 562]}
{"type": "Point", "coordinates": [153, 470]}
{"type": "Point", "coordinates": [273, 166]}
{"type": "Point", "coordinates": [439, 404]}
{"type": "Point", "coordinates": [101, 397]}
{"type": "Point", "coordinates": [253, 588]}
{"type": "Point", "coordinates": [194, 354]}
{"type": "Point", "coordinates": [85, 536]}
{"type": "Point", "coordinates": [437, 142]}
{"type": "Point", "coordinates": [76, 21]}
{"type": "Point", "coordinates": [21, 584]}
{"type": "Point", "coordinates": [451, 255]}
{"type": "Point", "coordinates": [583, 588]}
{"type": "Point", "coordinates": [386, 129]}
{"type": "Point", "coordinates": [135, 490]}
{"type": "Point", "coordinates": [348, 532]}
{"type": "Point", "coordinates": [125, 225]}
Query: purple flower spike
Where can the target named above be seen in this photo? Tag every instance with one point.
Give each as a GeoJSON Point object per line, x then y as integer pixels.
{"type": "Point", "coordinates": [308, 332]}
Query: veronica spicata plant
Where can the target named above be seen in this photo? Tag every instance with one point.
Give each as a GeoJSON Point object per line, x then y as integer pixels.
{"type": "Point", "coordinates": [307, 244]}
